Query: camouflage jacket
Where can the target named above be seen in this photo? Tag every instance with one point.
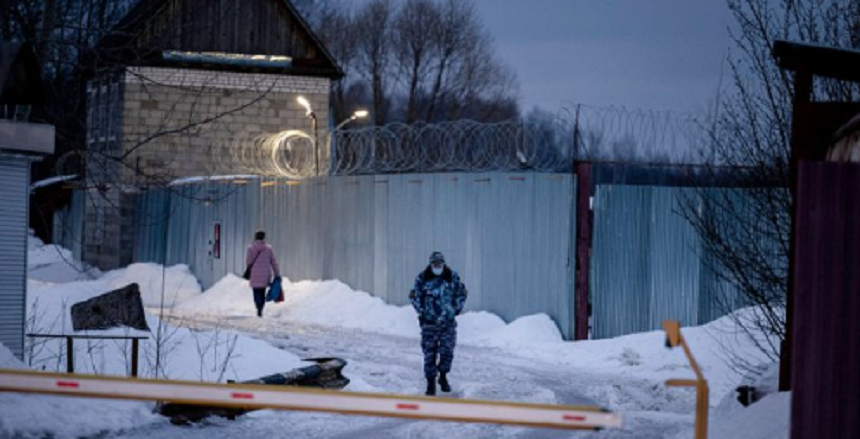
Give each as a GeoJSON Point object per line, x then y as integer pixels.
{"type": "Point", "coordinates": [438, 299]}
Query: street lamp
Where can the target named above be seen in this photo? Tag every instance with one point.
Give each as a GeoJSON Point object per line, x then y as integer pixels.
{"type": "Point", "coordinates": [359, 114]}
{"type": "Point", "coordinates": [309, 112]}
{"type": "Point", "coordinates": [332, 146]}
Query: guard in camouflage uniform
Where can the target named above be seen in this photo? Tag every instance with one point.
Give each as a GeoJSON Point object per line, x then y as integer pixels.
{"type": "Point", "coordinates": [438, 297]}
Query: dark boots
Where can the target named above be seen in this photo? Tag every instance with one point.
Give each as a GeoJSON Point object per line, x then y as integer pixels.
{"type": "Point", "coordinates": [431, 387]}
{"type": "Point", "coordinates": [443, 383]}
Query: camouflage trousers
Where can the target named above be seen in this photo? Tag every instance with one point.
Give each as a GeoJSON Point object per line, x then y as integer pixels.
{"type": "Point", "coordinates": [437, 342]}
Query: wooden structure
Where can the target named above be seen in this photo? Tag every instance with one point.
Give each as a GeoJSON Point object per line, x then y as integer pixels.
{"type": "Point", "coordinates": [821, 355]}
{"type": "Point", "coordinates": [674, 339]}
{"type": "Point", "coordinates": [70, 347]}
{"type": "Point", "coordinates": [251, 27]}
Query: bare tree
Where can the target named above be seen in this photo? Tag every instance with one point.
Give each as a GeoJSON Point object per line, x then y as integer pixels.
{"type": "Point", "coordinates": [746, 232]}
{"type": "Point", "coordinates": [454, 30]}
{"type": "Point", "coordinates": [422, 60]}
{"type": "Point", "coordinates": [373, 35]}
{"type": "Point", "coordinates": [414, 28]}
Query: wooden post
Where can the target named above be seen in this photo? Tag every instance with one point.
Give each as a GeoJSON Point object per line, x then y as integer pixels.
{"type": "Point", "coordinates": [799, 135]}
{"type": "Point", "coordinates": [702, 410]}
{"type": "Point", "coordinates": [134, 347]}
{"type": "Point", "coordinates": [674, 338]}
{"type": "Point", "coordinates": [583, 249]}
{"type": "Point", "coordinates": [70, 355]}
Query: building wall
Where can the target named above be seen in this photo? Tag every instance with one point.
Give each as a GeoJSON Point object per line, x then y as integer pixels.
{"type": "Point", "coordinates": [14, 197]}
{"type": "Point", "coordinates": [148, 126]}
{"type": "Point", "coordinates": [215, 112]}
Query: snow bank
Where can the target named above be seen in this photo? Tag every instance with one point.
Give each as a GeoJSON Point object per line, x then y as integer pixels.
{"type": "Point", "coordinates": [186, 354]}
{"type": "Point", "coordinates": [533, 329]}
{"type": "Point", "coordinates": [333, 303]}
{"type": "Point", "coordinates": [8, 360]}
{"type": "Point", "coordinates": [52, 263]}
{"type": "Point", "coordinates": [766, 419]}
{"type": "Point", "coordinates": [176, 282]}
{"type": "Point", "coordinates": [63, 417]}
{"type": "Point", "coordinates": [643, 356]}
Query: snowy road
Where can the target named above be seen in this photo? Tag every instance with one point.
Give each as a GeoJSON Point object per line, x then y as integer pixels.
{"type": "Point", "coordinates": [391, 364]}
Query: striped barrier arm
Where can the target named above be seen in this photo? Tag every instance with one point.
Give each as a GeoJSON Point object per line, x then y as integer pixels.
{"type": "Point", "coordinates": [251, 396]}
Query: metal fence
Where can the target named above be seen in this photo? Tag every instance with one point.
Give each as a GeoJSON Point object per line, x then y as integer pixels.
{"type": "Point", "coordinates": [510, 235]}
{"type": "Point", "coordinates": [649, 264]}
{"type": "Point", "coordinates": [68, 230]}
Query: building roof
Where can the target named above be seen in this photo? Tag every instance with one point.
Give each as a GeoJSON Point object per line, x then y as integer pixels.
{"type": "Point", "coordinates": [829, 62]}
{"type": "Point", "coordinates": [851, 127]}
{"type": "Point", "coordinates": [20, 75]}
{"type": "Point", "coordinates": [155, 30]}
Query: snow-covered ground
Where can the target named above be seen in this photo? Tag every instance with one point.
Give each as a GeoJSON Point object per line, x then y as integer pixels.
{"type": "Point", "coordinates": [214, 335]}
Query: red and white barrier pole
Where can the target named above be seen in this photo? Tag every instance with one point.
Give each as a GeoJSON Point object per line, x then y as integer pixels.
{"type": "Point", "coordinates": [299, 398]}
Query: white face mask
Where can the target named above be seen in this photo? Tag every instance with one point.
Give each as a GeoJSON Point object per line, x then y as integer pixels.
{"type": "Point", "coordinates": [437, 270]}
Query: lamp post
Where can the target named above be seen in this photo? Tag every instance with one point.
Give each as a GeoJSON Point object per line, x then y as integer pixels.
{"type": "Point", "coordinates": [309, 112]}
{"type": "Point", "coordinates": [358, 114]}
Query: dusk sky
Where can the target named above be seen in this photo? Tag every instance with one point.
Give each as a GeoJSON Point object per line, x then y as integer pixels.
{"type": "Point", "coordinates": [647, 54]}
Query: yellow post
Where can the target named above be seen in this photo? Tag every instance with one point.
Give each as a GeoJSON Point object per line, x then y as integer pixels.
{"type": "Point", "coordinates": [673, 339]}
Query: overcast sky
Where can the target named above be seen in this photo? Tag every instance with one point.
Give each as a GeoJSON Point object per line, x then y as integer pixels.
{"type": "Point", "coordinates": [649, 54]}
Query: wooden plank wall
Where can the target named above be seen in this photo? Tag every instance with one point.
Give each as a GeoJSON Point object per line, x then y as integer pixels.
{"type": "Point", "coordinates": [826, 340]}
{"type": "Point", "coordinates": [250, 27]}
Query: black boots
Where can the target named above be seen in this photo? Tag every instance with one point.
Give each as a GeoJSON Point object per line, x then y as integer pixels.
{"type": "Point", "coordinates": [431, 387]}
{"type": "Point", "coordinates": [443, 383]}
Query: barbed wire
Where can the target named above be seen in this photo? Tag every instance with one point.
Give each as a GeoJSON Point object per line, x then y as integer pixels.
{"type": "Point", "coordinates": [635, 135]}
{"type": "Point", "coordinates": [547, 143]}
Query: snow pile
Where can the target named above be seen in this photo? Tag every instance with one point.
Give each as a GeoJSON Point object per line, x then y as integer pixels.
{"type": "Point", "coordinates": [63, 417]}
{"type": "Point", "coordinates": [528, 330]}
{"type": "Point", "coordinates": [185, 353]}
{"type": "Point", "coordinates": [643, 355]}
{"type": "Point", "coordinates": [52, 263]}
{"type": "Point", "coordinates": [52, 180]}
{"type": "Point", "coordinates": [8, 360]}
{"type": "Point", "coordinates": [333, 303]}
{"type": "Point", "coordinates": [767, 418]}
{"type": "Point", "coordinates": [176, 283]}
{"type": "Point", "coordinates": [628, 371]}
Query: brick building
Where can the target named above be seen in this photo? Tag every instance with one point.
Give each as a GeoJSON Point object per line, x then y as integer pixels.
{"type": "Point", "coordinates": [181, 84]}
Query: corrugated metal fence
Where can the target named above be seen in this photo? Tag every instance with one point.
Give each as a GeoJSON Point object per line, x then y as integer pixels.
{"type": "Point", "coordinates": [509, 235]}
{"type": "Point", "coordinates": [649, 264]}
{"type": "Point", "coordinates": [69, 225]}
{"type": "Point", "coordinates": [14, 187]}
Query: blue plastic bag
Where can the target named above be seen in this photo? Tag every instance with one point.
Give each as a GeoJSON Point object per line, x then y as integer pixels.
{"type": "Point", "coordinates": [275, 293]}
